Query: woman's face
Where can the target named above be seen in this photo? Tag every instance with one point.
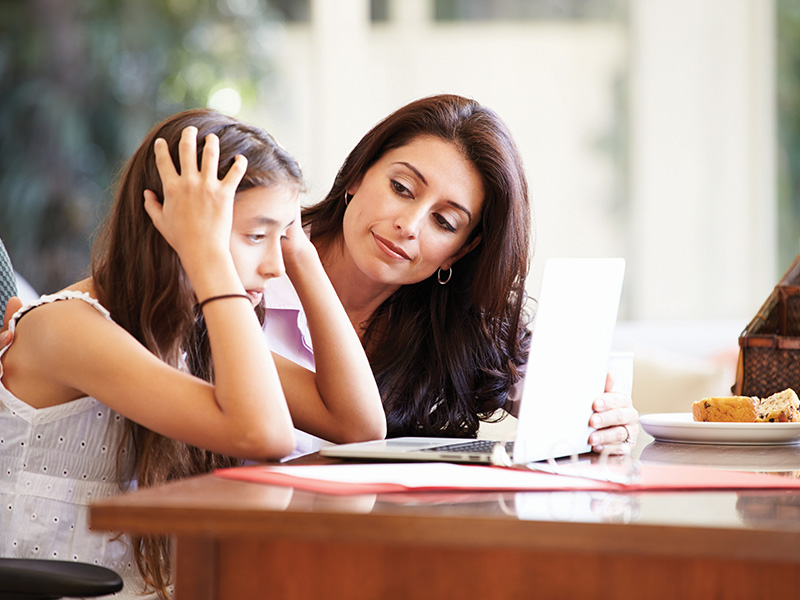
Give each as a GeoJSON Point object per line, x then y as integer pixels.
{"type": "Point", "coordinates": [412, 212]}
{"type": "Point", "coordinates": [261, 217]}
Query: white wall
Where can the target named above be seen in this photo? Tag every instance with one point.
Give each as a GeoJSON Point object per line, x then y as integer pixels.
{"type": "Point", "coordinates": [702, 157]}
{"type": "Point", "coordinates": [698, 228]}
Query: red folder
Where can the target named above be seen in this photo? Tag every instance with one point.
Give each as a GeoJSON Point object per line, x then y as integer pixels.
{"type": "Point", "coordinates": [441, 477]}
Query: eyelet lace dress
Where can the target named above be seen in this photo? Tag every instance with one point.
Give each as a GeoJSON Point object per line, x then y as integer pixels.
{"type": "Point", "coordinates": [53, 462]}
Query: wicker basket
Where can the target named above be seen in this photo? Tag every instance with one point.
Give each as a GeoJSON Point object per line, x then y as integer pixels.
{"type": "Point", "coordinates": [769, 347]}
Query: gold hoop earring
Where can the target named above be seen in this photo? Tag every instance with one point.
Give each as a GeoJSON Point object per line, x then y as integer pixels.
{"type": "Point", "coordinates": [444, 280]}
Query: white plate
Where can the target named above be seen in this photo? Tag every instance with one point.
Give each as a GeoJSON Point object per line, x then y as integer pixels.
{"type": "Point", "coordinates": [680, 427]}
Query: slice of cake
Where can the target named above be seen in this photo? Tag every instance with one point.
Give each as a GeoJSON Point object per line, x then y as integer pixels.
{"type": "Point", "coordinates": [783, 407]}
{"type": "Point", "coordinates": [741, 409]}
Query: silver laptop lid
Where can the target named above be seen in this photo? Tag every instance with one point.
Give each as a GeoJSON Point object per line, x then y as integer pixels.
{"type": "Point", "coordinates": [570, 345]}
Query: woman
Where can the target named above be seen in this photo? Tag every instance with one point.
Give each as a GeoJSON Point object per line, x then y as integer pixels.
{"type": "Point", "coordinates": [425, 236]}
{"type": "Point", "coordinates": [156, 368]}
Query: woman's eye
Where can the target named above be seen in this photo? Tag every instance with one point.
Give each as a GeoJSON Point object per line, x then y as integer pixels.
{"type": "Point", "coordinates": [256, 237]}
{"type": "Point", "coordinates": [399, 188]}
{"type": "Point", "coordinates": [444, 223]}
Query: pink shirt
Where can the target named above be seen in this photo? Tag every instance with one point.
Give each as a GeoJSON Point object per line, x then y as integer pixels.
{"type": "Point", "coordinates": [286, 330]}
{"type": "Point", "coordinates": [285, 326]}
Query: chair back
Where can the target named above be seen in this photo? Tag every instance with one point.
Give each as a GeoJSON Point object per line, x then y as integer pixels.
{"type": "Point", "coordinates": [42, 579]}
{"type": "Point", "coordinates": [8, 282]}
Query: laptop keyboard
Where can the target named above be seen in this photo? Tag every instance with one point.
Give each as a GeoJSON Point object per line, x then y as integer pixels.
{"type": "Point", "coordinates": [481, 446]}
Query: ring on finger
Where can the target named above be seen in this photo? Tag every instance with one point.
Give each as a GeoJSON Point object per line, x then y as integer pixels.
{"type": "Point", "coordinates": [627, 439]}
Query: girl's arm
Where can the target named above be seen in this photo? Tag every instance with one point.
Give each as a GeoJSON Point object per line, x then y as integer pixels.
{"type": "Point", "coordinates": [67, 349]}
{"type": "Point", "coordinates": [340, 402]}
{"type": "Point", "coordinates": [196, 219]}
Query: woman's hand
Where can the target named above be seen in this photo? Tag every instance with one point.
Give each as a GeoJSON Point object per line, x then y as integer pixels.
{"type": "Point", "coordinates": [14, 304]}
{"type": "Point", "coordinates": [616, 422]}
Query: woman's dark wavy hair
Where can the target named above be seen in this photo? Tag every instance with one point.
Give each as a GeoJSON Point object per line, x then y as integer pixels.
{"type": "Point", "coordinates": [446, 356]}
{"type": "Point", "coordinates": [138, 277]}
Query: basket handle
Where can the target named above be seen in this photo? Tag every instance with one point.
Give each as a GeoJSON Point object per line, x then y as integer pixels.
{"type": "Point", "coordinates": [736, 389]}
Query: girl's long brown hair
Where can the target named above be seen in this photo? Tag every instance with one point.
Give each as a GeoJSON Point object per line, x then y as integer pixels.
{"type": "Point", "coordinates": [446, 356]}
{"type": "Point", "coordinates": [139, 279]}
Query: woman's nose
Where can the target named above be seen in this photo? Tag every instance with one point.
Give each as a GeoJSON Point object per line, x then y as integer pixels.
{"type": "Point", "coordinates": [410, 220]}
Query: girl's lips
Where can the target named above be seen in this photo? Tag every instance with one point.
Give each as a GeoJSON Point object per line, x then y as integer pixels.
{"type": "Point", "coordinates": [389, 248]}
{"type": "Point", "coordinates": [255, 295]}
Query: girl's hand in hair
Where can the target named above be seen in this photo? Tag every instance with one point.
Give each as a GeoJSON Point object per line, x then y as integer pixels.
{"type": "Point", "coordinates": [197, 211]}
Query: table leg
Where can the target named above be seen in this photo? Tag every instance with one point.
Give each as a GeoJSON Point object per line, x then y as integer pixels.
{"type": "Point", "coordinates": [196, 568]}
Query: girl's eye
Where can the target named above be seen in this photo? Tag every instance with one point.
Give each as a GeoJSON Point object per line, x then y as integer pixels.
{"type": "Point", "coordinates": [256, 237]}
{"type": "Point", "coordinates": [399, 188]}
{"type": "Point", "coordinates": [444, 223]}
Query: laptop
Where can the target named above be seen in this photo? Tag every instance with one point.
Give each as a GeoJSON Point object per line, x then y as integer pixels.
{"type": "Point", "coordinates": [572, 333]}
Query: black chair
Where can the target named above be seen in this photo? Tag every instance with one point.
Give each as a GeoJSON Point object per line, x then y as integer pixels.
{"type": "Point", "coordinates": [8, 282]}
{"type": "Point", "coordinates": [34, 579]}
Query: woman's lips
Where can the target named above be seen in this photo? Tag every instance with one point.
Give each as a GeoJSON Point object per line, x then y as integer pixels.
{"type": "Point", "coordinates": [255, 296]}
{"type": "Point", "coordinates": [389, 248]}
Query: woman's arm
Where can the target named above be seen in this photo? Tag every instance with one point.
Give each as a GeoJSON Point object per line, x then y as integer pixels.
{"type": "Point", "coordinates": [340, 402]}
{"type": "Point", "coordinates": [12, 306]}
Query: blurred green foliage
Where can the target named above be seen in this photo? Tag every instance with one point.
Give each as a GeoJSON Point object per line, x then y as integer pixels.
{"type": "Point", "coordinates": [788, 114]}
{"type": "Point", "coordinates": [81, 82]}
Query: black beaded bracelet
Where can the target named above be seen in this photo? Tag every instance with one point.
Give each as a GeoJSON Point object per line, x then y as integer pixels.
{"type": "Point", "coordinates": [222, 297]}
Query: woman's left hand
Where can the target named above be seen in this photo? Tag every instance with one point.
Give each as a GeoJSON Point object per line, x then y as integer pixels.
{"type": "Point", "coordinates": [13, 305]}
{"type": "Point", "coordinates": [616, 422]}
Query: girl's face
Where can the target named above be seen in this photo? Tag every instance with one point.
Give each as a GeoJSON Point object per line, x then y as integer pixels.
{"type": "Point", "coordinates": [261, 217]}
{"type": "Point", "coordinates": [412, 212]}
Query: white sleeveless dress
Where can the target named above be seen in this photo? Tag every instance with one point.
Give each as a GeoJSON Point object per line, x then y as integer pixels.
{"type": "Point", "coordinates": [55, 461]}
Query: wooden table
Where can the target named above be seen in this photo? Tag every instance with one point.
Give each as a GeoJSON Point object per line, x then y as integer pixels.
{"type": "Point", "coordinates": [239, 540]}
